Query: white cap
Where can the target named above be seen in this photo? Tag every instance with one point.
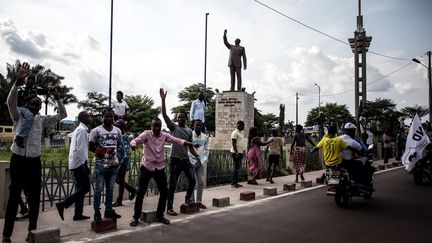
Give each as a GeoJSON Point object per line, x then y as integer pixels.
{"type": "Point", "coordinates": [349, 125]}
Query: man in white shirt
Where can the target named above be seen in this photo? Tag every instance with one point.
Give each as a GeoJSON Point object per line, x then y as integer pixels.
{"type": "Point", "coordinates": [237, 151]}
{"type": "Point", "coordinates": [120, 107]}
{"type": "Point", "coordinates": [78, 164]}
{"type": "Point", "coordinates": [198, 110]}
{"type": "Point", "coordinates": [355, 167]}
{"type": "Point", "coordinates": [199, 166]}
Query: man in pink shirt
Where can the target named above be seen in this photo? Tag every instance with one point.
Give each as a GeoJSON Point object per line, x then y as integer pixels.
{"type": "Point", "coordinates": [153, 166]}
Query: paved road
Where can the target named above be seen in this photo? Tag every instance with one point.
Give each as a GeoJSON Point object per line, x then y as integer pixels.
{"type": "Point", "coordinates": [399, 212]}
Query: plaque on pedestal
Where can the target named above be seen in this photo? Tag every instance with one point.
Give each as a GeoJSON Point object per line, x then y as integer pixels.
{"type": "Point", "coordinates": [231, 107]}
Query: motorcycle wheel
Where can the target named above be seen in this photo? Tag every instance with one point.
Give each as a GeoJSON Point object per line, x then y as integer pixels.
{"type": "Point", "coordinates": [341, 196]}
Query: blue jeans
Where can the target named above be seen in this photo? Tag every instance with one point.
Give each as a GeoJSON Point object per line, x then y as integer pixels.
{"type": "Point", "coordinates": [107, 176]}
{"type": "Point", "coordinates": [26, 122]}
{"type": "Point", "coordinates": [199, 172]}
{"type": "Point", "coordinates": [176, 166]}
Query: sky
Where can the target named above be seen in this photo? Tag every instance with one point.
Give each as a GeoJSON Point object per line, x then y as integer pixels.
{"type": "Point", "coordinates": [160, 44]}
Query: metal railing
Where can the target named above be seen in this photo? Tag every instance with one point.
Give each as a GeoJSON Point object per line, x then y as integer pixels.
{"type": "Point", "coordinates": [58, 181]}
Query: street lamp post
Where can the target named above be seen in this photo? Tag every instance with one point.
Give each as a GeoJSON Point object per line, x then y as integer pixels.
{"type": "Point", "coordinates": [205, 56]}
{"type": "Point", "coordinates": [297, 108]}
{"type": "Point", "coordinates": [110, 65]}
{"type": "Point", "coordinates": [429, 81]}
{"type": "Point", "coordinates": [319, 98]}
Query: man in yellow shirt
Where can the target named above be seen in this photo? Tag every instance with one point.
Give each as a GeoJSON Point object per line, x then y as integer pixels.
{"type": "Point", "coordinates": [333, 147]}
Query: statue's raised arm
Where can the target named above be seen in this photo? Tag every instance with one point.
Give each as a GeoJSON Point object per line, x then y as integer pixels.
{"type": "Point", "coordinates": [227, 44]}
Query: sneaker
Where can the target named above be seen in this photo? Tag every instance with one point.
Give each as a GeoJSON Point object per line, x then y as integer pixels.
{"type": "Point", "coordinates": [171, 212]}
{"type": "Point", "coordinates": [97, 217]}
{"type": "Point", "coordinates": [22, 215]}
{"type": "Point", "coordinates": [134, 222]}
{"type": "Point", "coordinates": [271, 181]}
{"type": "Point", "coordinates": [80, 217]}
{"type": "Point", "coordinates": [19, 141]}
{"type": "Point", "coordinates": [239, 185]}
{"type": "Point", "coordinates": [111, 214]}
{"type": "Point", "coordinates": [202, 206]}
{"type": "Point", "coordinates": [132, 195]}
{"type": "Point", "coordinates": [163, 220]}
{"type": "Point", "coordinates": [60, 210]}
{"type": "Point", "coordinates": [235, 186]}
{"type": "Point", "coordinates": [117, 204]}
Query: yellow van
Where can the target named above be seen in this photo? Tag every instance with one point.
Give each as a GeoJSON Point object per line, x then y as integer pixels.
{"type": "Point", "coordinates": [6, 132]}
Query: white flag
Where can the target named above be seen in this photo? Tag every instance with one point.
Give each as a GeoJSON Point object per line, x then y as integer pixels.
{"type": "Point", "coordinates": [416, 142]}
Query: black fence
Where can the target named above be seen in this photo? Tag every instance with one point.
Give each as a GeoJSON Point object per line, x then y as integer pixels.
{"type": "Point", "coordinates": [58, 181]}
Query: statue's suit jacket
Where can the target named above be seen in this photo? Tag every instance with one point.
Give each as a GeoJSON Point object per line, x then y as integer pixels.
{"type": "Point", "coordinates": [236, 53]}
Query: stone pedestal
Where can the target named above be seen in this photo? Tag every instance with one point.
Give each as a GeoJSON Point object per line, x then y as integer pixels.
{"type": "Point", "coordinates": [231, 106]}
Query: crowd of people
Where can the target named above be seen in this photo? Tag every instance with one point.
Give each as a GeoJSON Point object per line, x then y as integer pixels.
{"type": "Point", "coordinates": [189, 154]}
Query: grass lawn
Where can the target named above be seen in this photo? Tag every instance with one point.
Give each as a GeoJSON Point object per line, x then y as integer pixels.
{"type": "Point", "coordinates": [48, 155]}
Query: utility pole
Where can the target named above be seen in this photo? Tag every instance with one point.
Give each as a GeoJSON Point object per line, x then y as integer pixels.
{"type": "Point", "coordinates": [359, 46]}
{"type": "Point", "coordinates": [297, 108]}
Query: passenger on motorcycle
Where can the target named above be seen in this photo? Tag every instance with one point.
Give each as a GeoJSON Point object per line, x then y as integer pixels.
{"type": "Point", "coordinates": [357, 167]}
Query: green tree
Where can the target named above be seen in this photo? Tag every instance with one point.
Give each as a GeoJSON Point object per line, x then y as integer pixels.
{"type": "Point", "coordinates": [383, 110]}
{"type": "Point", "coordinates": [410, 111]}
{"type": "Point", "coordinates": [141, 112]}
{"type": "Point", "coordinates": [189, 94]}
{"type": "Point", "coordinates": [5, 86]}
{"type": "Point", "coordinates": [264, 122]}
{"type": "Point", "coordinates": [289, 126]}
{"type": "Point", "coordinates": [45, 79]}
{"type": "Point", "coordinates": [332, 112]}
{"type": "Point", "coordinates": [95, 104]}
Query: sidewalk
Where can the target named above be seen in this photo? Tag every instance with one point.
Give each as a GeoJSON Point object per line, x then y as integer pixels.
{"type": "Point", "coordinates": [79, 231]}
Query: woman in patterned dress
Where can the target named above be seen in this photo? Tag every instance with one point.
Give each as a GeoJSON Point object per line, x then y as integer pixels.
{"type": "Point", "coordinates": [298, 150]}
{"type": "Point", "coordinates": [254, 158]}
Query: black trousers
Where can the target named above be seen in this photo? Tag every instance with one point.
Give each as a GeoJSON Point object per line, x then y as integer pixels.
{"type": "Point", "coordinates": [176, 166]}
{"type": "Point", "coordinates": [82, 179]}
{"type": "Point", "coordinates": [25, 174]}
{"type": "Point", "coordinates": [121, 175]}
{"type": "Point", "coordinates": [237, 165]}
{"type": "Point", "coordinates": [161, 181]}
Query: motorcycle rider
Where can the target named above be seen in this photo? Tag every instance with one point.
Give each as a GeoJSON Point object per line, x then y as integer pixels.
{"type": "Point", "coordinates": [357, 167]}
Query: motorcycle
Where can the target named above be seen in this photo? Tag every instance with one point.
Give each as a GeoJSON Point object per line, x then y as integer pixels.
{"type": "Point", "coordinates": [342, 186]}
{"type": "Point", "coordinates": [422, 171]}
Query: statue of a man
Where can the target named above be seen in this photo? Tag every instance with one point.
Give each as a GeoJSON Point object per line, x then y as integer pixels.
{"type": "Point", "coordinates": [234, 62]}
